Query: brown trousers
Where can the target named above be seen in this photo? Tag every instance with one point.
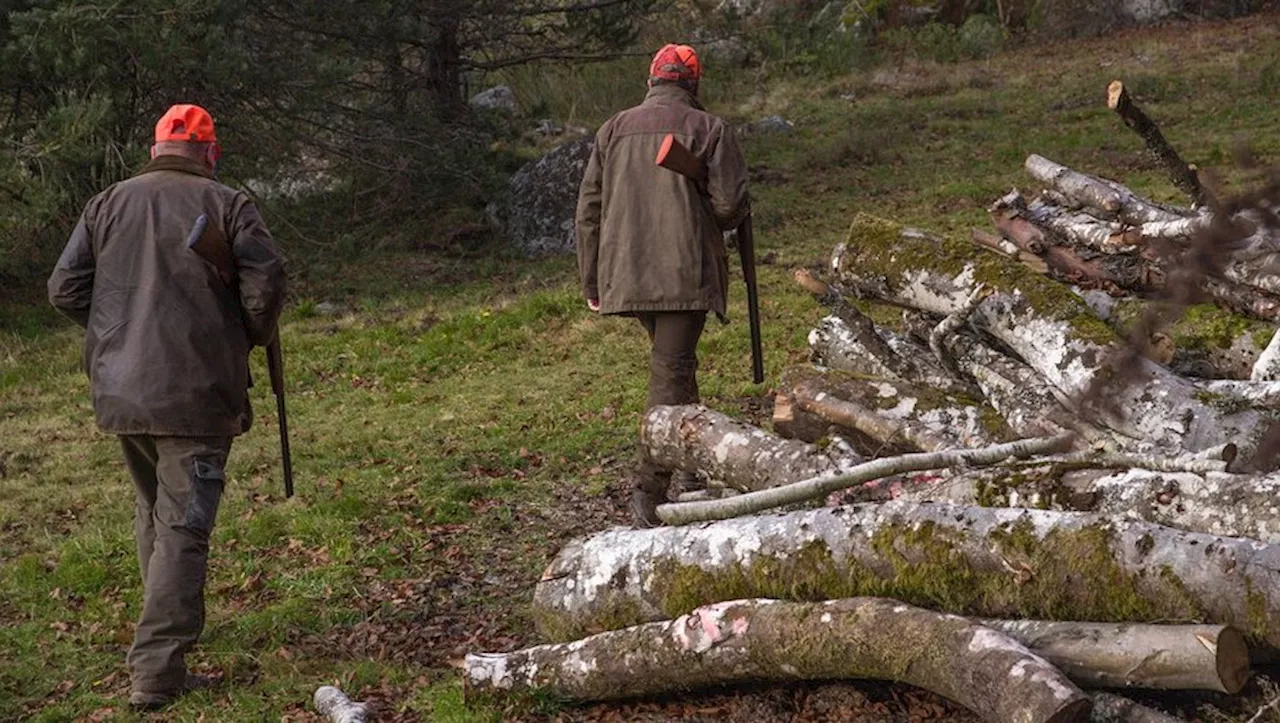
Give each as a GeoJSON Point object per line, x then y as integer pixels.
{"type": "Point", "coordinates": [673, 370]}
{"type": "Point", "coordinates": [179, 483]}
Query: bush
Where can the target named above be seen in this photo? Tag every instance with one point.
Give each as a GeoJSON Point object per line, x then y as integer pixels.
{"type": "Point", "coordinates": [979, 37]}
{"type": "Point", "coordinates": [350, 114]}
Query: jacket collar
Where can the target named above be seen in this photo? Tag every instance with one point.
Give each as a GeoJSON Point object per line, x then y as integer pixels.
{"type": "Point", "coordinates": [669, 93]}
{"type": "Point", "coordinates": [176, 163]}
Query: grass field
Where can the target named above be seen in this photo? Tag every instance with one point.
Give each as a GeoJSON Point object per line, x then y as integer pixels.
{"type": "Point", "coordinates": [457, 421]}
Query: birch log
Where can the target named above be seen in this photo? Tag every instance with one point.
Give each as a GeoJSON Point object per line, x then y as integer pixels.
{"type": "Point", "coordinates": [695, 438]}
{"type": "Point", "coordinates": [1109, 708]}
{"type": "Point", "coordinates": [1236, 392]}
{"type": "Point", "coordinates": [897, 414]}
{"type": "Point", "coordinates": [1107, 197]}
{"type": "Point", "coordinates": [987, 562]}
{"type": "Point", "coordinates": [1213, 503]}
{"type": "Point", "coordinates": [1244, 299]}
{"type": "Point", "coordinates": [684, 513]}
{"type": "Point", "coordinates": [873, 355]}
{"type": "Point", "coordinates": [1182, 175]}
{"type": "Point", "coordinates": [1046, 325]}
{"type": "Point", "coordinates": [1026, 403]}
{"type": "Point", "coordinates": [335, 706]}
{"type": "Point", "coordinates": [834, 344]}
{"type": "Point", "coordinates": [1267, 366]}
{"type": "Point", "coordinates": [1077, 227]}
{"type": "Point", "coordinates": [1124, 655]}
{"type": "Point", "coordinates": [767, 640]}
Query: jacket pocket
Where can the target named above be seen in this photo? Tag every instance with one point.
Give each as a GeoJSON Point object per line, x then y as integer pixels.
{"type": "Point", "coordinates": [108, 312]}
{"type": "Point", "coordinates": [207, 480]}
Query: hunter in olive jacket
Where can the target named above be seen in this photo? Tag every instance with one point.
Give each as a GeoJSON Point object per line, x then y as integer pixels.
{"type": "Point", "coordinates": [167, 342]}
{"type": "Point", "coordinates": [650, 239]}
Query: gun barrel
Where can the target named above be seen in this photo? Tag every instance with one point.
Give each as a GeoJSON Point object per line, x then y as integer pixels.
{"type": "Point", "coordinates": [746, 250]}
{"type": "Point", "coordinates": [275, 369]}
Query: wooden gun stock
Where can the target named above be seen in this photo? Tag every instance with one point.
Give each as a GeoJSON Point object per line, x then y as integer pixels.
{"type": "Point", "coordinates": [673, 156]}
{"type": "Point", "coordinates": [208, 242]}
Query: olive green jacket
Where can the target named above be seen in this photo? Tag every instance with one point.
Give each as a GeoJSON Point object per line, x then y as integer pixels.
{"type": "Point", "coordinates": [650, 239]}
{"type": "Point", "coordinates": [166, 341]}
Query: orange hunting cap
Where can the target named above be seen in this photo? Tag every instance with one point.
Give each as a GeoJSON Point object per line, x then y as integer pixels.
{"type": "Point", "coordinates": [676, 62]}
{"type": "Point", "coordinates": [186, 122]}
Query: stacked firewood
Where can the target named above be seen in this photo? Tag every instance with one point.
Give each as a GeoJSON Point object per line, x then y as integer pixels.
{"type": "Point", "coordinates": [1035, 474]}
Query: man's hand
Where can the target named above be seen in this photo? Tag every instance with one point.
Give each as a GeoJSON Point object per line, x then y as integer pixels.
{"type": "Point", "coordinates": [593, 304]}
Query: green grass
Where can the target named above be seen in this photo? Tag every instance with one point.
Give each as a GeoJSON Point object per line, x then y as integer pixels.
{"type": "Point", "coordinates": [458, 420]}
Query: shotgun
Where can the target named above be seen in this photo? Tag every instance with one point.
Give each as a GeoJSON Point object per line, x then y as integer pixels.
{"type": "Point", "coordinates": [209, 244]}
{"type": "Point", "coordinates": [673, 156]}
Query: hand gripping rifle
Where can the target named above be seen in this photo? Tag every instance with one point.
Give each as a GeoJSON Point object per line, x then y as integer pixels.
{"type": "Point", "coordinates": [209, 244]}
{"type": "Point", "coordinates": [675, 157]}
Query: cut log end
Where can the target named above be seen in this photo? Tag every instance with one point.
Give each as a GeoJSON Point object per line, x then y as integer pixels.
{"type": "Point", "coordinates": [1115, 94]}
{"type": "Point", "coordinates": [1233, 660]}
{"type": "Point", "coordinates": [769, 640]}
{"type": "Point", "coordinates": [1074, 712]}
{"type": "Point", "coordinates": [811, 283]}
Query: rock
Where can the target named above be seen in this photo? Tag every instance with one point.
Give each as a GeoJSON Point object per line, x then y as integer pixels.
{"type": "Point", "coordinates": [744, 8]}
{"type": "Point", "coordinates": [499, 98]}
{"type": "Point", "coordinates": [730, 51]}
{"type": "Point", "coordinates": [548, 127]}
{"type": "Point", "coordinates": [328, 308]}
{"type": "Point", "coordinates": [1149, 11]}
{"type": "Point", "coordinates": [1100, 302]}
{"type": "Point", "coordinates": [772, 124]}
{"type": "Point", "coordinates": [544, 197]}
{"type": "Point", "coordinates": [495, 214]}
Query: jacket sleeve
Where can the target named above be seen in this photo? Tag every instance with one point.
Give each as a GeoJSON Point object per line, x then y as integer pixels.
{"type": "Point", "coordinates": [260, 270]}
{"type": "Point", "coordinates": [71, 284]}
{"type": "Point", "coordinates": [587, 221]}
{"type": "Point", "coordinates": [727, 179]}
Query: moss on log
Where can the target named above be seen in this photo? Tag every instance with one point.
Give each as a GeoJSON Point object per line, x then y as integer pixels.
{"type": "Point", "coordinates": [767, 640]}
{"type": "Point", "coordinates": [876, 246]}
{"type": "Point", "coordinates": [1208, 341]}
{"type": "Point", "coordinates": [1049, 328]}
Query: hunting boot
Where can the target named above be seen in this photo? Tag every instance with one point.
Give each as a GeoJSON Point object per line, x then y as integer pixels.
{"type": "Point", "coordinates": [650, 491]}
{"type": "Point", "coordinates": [142, 700]}
{"type": "Point", "coordinates": [689, 481]}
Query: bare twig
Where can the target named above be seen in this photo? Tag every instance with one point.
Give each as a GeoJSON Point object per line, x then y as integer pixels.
{"type": "Point", "coordinates": [951, 324]}
{"type": "Point", "coordinates": [1180, 172]}
{"type": "Point", "coordinates": [750, 503]}
{"type": "Point", "coordinates": [1273, 705]}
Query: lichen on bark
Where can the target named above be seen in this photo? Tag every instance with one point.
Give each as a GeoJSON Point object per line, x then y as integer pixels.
{"type": "Point", "coordinates": [878, 245]}
{"type": "Point", "coordinates": [993, 563]}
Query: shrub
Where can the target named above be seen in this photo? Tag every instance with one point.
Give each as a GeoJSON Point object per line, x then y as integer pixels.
{"type": "Point", "coordinates": [979, 37]}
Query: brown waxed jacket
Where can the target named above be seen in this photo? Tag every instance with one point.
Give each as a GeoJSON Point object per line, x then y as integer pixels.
{"type": "Point", "coordinates": [650, 239]}
{"type": "Point", "coordinates": [167, 343]}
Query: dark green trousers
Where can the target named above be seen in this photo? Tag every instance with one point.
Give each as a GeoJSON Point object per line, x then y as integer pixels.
{"type": "Point", "coordinates": [179, 483]}
{"type": "Point", "coordinates": [673, 376]}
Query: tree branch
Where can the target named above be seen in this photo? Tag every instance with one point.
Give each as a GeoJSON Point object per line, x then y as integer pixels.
{"type": "Point", "coordinates": [753, 502]}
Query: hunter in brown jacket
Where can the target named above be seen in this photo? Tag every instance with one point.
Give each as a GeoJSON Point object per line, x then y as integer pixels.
{"type": "Point", "coordinates": [167, 354]}
{"type": "Point", "coordinates": [650, 241]}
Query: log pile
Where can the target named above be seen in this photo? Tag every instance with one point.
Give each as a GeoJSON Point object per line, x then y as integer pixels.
{"type": "Point", "coordinates": [1021, 465]}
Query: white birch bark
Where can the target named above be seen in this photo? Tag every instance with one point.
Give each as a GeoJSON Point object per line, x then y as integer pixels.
{"type": "Point", "coordinates": [969, 560]}
{"type": "Point", "coordinates": [695, 438]}
{"type": "Point", "coordinates": [1128, 655]}
{"type": "Point", "coordinates": [766, 640]}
